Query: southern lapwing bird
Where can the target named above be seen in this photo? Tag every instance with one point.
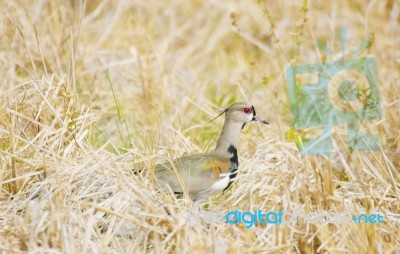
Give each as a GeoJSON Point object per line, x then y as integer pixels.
{"type": "Point", "coordinates": [210, 173]}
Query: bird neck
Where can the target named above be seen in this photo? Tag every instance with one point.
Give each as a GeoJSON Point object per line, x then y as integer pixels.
{"type": "Point", "coordinates": [227, 142]}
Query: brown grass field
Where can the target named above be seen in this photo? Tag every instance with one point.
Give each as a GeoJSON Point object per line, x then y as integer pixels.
{"type": "Point", "coordinates": [92, 89]}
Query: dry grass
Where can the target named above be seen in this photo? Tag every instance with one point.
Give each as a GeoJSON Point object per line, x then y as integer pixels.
{"type": "Point", "coordinates": [89, 95]}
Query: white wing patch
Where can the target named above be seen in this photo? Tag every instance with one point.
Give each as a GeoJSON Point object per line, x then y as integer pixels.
{"type": "Point", "coordinates": [217, 187]}
{"type": "Point", "coordinates": [221, 184]}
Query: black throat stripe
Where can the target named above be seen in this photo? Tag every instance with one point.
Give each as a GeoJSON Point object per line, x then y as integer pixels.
{"type": "Point", "coordinates": [235, 162]}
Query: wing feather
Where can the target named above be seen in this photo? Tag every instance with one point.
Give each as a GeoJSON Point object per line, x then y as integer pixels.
{"type": "Point", "coordinates": [199, 172]}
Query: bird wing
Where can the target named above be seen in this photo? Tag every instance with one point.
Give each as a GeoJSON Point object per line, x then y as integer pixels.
{"type": "Point", "coordinates": [198, 172]}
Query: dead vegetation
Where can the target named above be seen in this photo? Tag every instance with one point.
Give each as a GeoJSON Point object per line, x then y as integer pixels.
{"type": "Point", "coordinates": [90, 90]}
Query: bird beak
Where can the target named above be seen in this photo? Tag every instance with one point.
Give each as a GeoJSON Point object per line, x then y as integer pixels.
{"type": "Point", "coordinates": [259, 119]}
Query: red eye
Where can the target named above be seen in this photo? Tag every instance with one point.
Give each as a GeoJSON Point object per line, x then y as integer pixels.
{"type": "Point", "coordinates": [247, 110]}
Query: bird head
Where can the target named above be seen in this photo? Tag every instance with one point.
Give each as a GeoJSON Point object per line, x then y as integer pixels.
{"type": "Point", "coordinates": [243, 112]}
